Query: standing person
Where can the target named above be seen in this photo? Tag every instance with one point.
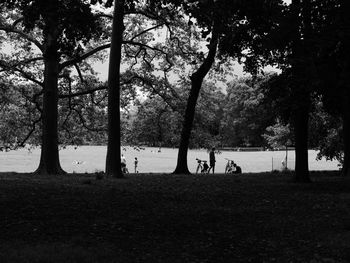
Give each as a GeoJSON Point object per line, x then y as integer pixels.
{"type": "Point", "coordinates": [136, 162]}
{"type": "Point", "coordinates": [212, 160]}
{"type": "Point", "coordinates": [123, 163]}
{"type": "Point", "coordinates": [284, 163]}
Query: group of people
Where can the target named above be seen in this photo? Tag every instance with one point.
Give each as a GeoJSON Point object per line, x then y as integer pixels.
{"type": "Point", "coordinates": [123, 164]}
{"type": "Point", "coordinates": [231, 166]}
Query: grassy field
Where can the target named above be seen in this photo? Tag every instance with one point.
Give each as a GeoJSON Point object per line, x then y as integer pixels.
{"type": "Point", "coordinates": [166, 218]}
{"type": "Point", "coordinates": [92, 159]}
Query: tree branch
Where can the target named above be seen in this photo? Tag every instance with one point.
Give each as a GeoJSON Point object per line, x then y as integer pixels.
{"type": "Point", "coordinates": [145, 46]}
{"type": "Point", "coordinates": [12, 29]}
{"type": "Point", "coordinates": [85, 92]}
{"type": "Point", "coordinates": [22, 72]}
{"type": "Point", "coordinates": [84, 56]}
{"type": "Point", "coordinates": [22, 143]}
{"type": "Point", "coordinates": [146, 30]}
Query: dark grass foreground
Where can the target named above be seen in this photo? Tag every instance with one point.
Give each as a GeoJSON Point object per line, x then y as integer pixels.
{"type": "Point", "coordinates": [167, 218]}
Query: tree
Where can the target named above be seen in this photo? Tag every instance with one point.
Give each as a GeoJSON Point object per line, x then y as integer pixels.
{"type": "Point", "coordinates": [196, 83]}
{"type": "Point", "coordinates": [227, 21]}
{"type": "Point", "coordinates": [300, 72]}
{"type": "Point", "coordinates": [278, 136]}
{"type": "Point", "coordinates": [333, 66]}
{"type": "Point", "coordinates": [154, 123]}
{"type": "Point", "coordinates": [61, 25]}
{"type": "Point", "coordinates": [155, 11]}
{"type": "Point", "coordinates": [136, 49]}
{"type": "Point", "coordinates": [285, 40]}
{"type": "Point", "coordinates": [113, 167]}
{"type": "Point", "coordinates": [247, 113]}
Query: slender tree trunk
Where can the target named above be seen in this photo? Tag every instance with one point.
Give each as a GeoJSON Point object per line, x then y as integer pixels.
{"type": "Point", "coordinates": [49, 159]}
{"type": "Point", "coordinates": [286, 157]}
{"type": "Point", "coordinates": [182, 167]}
{"type": "Point", "coordinates": [345, 25]}
{"type": "Point", "coordinates": [113, 167]}
{"type": "Point", "coordinates": [346, 136]}
{"type": "Point", "coordinates": [196, 84]}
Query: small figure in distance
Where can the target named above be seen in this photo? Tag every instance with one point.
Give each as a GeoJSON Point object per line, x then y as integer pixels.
{"type": "Point", "coordinates": [212, 159]}
{"type": "Point", "coordinates": [237, 168]}
{"type": "Point", "coordinates": [135, 163]}
{"type": "Point", "coordinates": [229, 166]}
{"type": "Point", "coordinates": [284, 164]}
{"type": "Point", "coordinates": [123, 164]}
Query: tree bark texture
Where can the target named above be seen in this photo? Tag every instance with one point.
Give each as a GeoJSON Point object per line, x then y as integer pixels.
{"type": "Point", "coordinates": [113, 167]}
{"type": "Point", "coordinates": [300, 91]}
{"type": "Point", "coordinates": [49, 159]}
{"type": "Point", "coordinates": [301, 121]}
{"type": "Point", "coordinates": [196, 84]}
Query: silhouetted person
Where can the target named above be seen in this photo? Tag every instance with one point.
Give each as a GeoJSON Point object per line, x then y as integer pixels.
{"type": "Point", "coordinates": [135, 163]}
{"type": "Point", "coordinates": [237, 169]}
{"type": "Point", "coordinates": [123, 164]}
{"type": "Point", "coordinates": [212, 159]}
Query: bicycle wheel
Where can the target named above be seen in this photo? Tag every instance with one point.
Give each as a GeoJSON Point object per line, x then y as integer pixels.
{"type": "Point", "coordinates": [198, 168]}
{"type": "Point", "coordinates": [227, 168]}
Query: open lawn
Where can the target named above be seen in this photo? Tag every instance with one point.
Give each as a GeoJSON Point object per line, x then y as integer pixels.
{"type": "Point", "coordinates": [165, 218]}
{"type": "Point", "coordinates": [92, 158]}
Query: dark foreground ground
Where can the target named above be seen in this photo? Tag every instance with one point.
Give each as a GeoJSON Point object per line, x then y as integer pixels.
{"type": "Point", "coordinates": [167, 218]}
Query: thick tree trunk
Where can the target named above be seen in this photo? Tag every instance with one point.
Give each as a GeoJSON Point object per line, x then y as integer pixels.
{"type": "Point", "coordinates": [301, 121]}
{"type": "Point", "coordinates": [196, 84]}
{"type": "Point", "coordinates": [113, 167]}
{"type": "Point", "coordinates": [301, 94]}
{"type": "Point", "coordinates": [49, 159]}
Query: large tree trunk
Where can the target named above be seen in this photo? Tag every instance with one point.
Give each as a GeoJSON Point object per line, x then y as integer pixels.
{"type": "Point", "coordinates": [301, 93]}
{"type": "Point", "coordinates": [49, 159]}
{"type": "Point", "coordinates": [301, 121]}
{"type": "Point", "coordinates": [196, 84]}
{"type": "Point", "coordinates": [113, 167]}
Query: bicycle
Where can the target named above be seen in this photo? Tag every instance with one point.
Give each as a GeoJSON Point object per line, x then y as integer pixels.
{"type": "Point", "coordinates": [203, 168]}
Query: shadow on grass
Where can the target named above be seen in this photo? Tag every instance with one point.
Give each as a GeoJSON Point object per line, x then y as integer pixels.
{"type": "Point", "coordinates": [166, 218]}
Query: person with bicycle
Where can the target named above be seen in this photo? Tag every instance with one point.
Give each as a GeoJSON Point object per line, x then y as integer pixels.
{"type": "Point", "coordinates": [203, 168]}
